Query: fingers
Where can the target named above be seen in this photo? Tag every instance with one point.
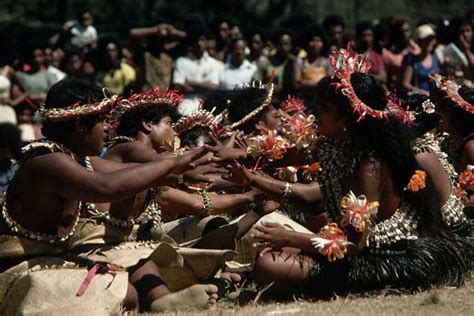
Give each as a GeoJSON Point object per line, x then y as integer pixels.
{"type": "Point", "coordinates": [261, 229]}
{"type": "Point", "coordinates": [265, 250]}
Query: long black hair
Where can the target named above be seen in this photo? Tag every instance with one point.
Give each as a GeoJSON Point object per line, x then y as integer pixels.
{"type": "Point", "coordinates": [389, 141]}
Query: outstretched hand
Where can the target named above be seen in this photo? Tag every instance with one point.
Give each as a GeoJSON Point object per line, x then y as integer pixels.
{"type": "Point", "coordinates": [238, 174]}
{"type": "Point", "coordinates": [201, 173]}
{"type": "Point", "coordinates": [184, 162]}
{"type": "Point", "coordinates": [270, 235]}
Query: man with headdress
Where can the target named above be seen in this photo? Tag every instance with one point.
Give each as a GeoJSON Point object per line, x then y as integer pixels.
{"type": "Point", "coordinates": [41, 211]}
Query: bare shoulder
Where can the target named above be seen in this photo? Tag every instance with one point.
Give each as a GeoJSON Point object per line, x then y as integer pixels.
{"type": "Point", "coordinates": [371, 167]}
{"type": "Point", "coordinates": [468, 152]}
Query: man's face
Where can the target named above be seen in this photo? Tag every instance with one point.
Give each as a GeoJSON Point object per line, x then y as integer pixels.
{"type": "Point", "coordinates": [162, 134]}
{"type": "Point", "coordinates": [285, 45]}
{"type": "Point", "coordinates": [238, 52]}
{"type": "Point", "coordinates": [95, 139]}
{"type": "Point", "coordinates": [86, 19]}
{"type": "Point", "coordinates": [336, 32]}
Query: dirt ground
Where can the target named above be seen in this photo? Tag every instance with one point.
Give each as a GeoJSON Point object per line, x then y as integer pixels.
{"type": "Point", "coordinates": [441, 301]}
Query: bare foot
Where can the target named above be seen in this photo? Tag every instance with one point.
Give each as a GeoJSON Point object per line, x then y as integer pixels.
{"type": "Point", "coordinates": [196, 296]}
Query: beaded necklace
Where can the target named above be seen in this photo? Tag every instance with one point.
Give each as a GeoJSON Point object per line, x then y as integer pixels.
{"type": "Point", "coordinates": [334, 165]}
{"type": "Point", "coordinates": [16, 228]}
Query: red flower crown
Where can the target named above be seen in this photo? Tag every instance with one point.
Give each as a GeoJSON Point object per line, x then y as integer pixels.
{"type": "Point", "coordinates": [153, 97]}
{"type": "Point", "coordinates": [451, 88]}
{"type": "Point", "coordinates": [347, 62]}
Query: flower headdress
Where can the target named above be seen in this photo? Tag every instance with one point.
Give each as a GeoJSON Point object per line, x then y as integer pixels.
{"type": "Point", "coordinates": [451, 88]}
{"type": "Point", "coordinates": [265, 103]}
{"type": "Point", "coordinates": [347, 62]}
{"type": "Point", "coordinates": [76, 110]}
{"type": "Point", "coordinates": [153, 97]}
{"type": "Point", "coordinates": [199, 118]}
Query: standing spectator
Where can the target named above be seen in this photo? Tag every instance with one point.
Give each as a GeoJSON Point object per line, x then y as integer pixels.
{"type": "Point", "coordinates": [237, 69]}
{"type": "Point", "coordinates": [335, 26]}
{"type": "Point", "coordinates": [315, 65]}
{"type": "Point", "coordinates": [154, 64]}
{"type": "Point", "coordinates": [418, 68]}
{"type": "Point", "coordinates": [116, 75]}
{"type": "Point", "coordinates": [78, 67]}
{"type": "Point", "coordinates": [366, 43]}
{"type": "Point", "coordinates": [35, 77]}
{"type": "Point", "coordinates": [281, 65]}
{"type": "Point", "coordinates": [197, 72]}
{"type": "Point", "coordinates": [82, 33]}
{"type": "Point", "coordinates": [401, 44]}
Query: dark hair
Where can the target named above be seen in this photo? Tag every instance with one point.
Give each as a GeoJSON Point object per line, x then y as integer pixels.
{"type": "Point", "coordinates": [10, 137]}
{"type": "Point", "coordinates": [234, 42]}
{"type": "Point", "coordinates": [333, 20]}
{"type": "Point", "coordinates": [217, 99]}
{"type": "Point", "coordinates": [278, 33]}
{"type": "Point", "coordinates": [190, 138]}
{"type": "Point", "coordinates": [130, 122]}
{"type": "Point", "coordinates": [424, 121]}
{"type": "Point", "coordinates": [195, 32]}
{"type": "Point", "coordinates": [388, 140]}
{"type": "Point", "coordinates": [316, 30]}
{"type": "Point", "coordinates": [362, 26]}
{"type": "Point", "coordinates": [81, 13]}
{"type": "Point", "coordinates": [455, 25]}
{"type": "Point", "coordinates": [244, 101]}
{"type": "Point", "coordinates": [65, 93]}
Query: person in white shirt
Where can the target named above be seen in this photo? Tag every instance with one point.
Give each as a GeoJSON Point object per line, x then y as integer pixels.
{"type": "Point", "coordinates": [197, 72]}
{"type": "Point", "coordinates": [237, 69]}
{"type": "Point", "coordinates": [83, 33]}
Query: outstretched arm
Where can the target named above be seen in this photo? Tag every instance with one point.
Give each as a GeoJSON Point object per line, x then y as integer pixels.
{"type": "Point", "coordinates": [62, 175]}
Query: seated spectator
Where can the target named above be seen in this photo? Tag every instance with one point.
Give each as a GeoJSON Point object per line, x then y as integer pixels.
{"type": "Point", "coordinates": [281, 65]}
{"type": "Point", "coordinates": [24, 116]}
{"type": "Point", "coordinates": [418, 68]}
{"type": "Point", "coordinates": [237, 69]}
{"type": "Point", "coordinates": [257, 44]}
{"type": "Point", "coordinates": [54, 59]}
{"type": "Point", "coordinates": [35, 77]}
{"type": "Point", "coordinates": [401, 44]}
{"type": "Point", "coordinates": [335, 26]}
{"type": "Point", "coordinates": [78, 67]}
{"type": "Point", "coordinates": [116, 75]}
{"type": "Point", "coordinates": [315, 65]}
{"type": "Point", "coordinates": [197, 72]}
{"type": "Point", "coordinates": [366, 44]}
{"type": "Point", "coordinates": [462, 60]}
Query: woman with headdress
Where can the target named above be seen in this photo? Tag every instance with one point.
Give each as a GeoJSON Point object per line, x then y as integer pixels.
{"type": "Point", "coordinates": [385, 226]}
{"type": "Point", "coordinates": [455, 104]}
{"type": "Point", "coordinates": [433, 160]}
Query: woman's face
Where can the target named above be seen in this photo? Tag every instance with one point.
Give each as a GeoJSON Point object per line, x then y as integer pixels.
{"type": "Point", "coordinates": [162, 133]}
{"type": "Point", "coordinates": [367, 38]}
{"type": "Point", "coordinates": [428, 44]}
{"type": "Point", "coordinates": [330, 124]}
{"type": "Point", "coordinates": [444, 123]}
{"type": "Point", "coordinates": [315, 45]}
{"type": "Point", "coordinates": [257, 43]}
{"type": "Point", "coordinates": [405, 31]}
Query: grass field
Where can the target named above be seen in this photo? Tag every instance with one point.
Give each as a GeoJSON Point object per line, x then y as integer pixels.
{"type": "Point", "coordinates": [441, 301]}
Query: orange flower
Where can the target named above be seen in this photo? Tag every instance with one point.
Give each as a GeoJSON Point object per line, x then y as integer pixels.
{"type": "Point", "coordinates": [466, 180]}
{"type": "Point", "coordinates": [417, 181]}
{"type": "Point", "coordinates": [331, 242]}
{"type": "Point", "coordinates": [310, 171]}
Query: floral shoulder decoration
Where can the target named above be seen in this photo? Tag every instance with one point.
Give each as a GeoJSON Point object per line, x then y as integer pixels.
{"type": "Point", "coordinates": [331, 242]}
{"type": "Point", "coordinates": [299, 129]}
{"type": "Point", "coordinates": [357, 211]}
{"type": "Point", "coordinates": [269, 144]}
{"type": "Point", "coordinates": [465, 183]}
{"type": "Point", "coordinates": [417, 181]}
